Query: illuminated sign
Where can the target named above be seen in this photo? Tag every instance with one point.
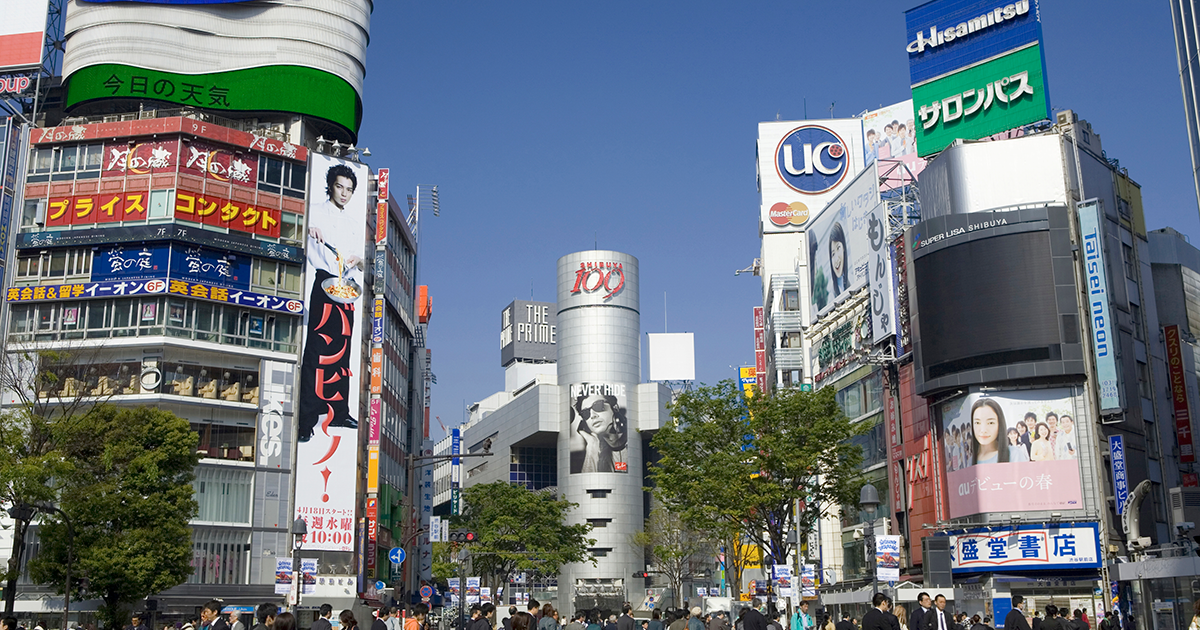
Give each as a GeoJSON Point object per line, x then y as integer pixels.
{"type": "Point", "coordinates": [14, 85]}
{"type": "Point", "coordinates": [1179, 399]}
{"type": "Point", "coordinates": [1026, 548]}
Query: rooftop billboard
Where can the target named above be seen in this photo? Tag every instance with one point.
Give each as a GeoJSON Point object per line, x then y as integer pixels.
{"type": "Point", "coordinates": [945, 36]}
{"type": "Point", "coordinates": [803, 165]}
{"type": "Point", "coordinates": [22, 33]}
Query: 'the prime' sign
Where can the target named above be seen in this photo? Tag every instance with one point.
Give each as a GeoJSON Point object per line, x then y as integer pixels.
{"type": "Point", "coordinates": [528, 332]}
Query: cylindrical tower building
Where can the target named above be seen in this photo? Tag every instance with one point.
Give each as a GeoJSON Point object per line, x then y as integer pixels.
{"type": "Point", "coordinates": [599, 448]}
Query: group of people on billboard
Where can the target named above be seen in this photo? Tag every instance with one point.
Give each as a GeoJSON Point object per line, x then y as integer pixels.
{"type": "Point", "coordinates": [986, 437]}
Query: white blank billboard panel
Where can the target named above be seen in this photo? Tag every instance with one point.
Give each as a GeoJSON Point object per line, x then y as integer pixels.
{"type": "Point", "coordinates": [22, 31]}
{"type": "Point", "coordinates": [672, 356]}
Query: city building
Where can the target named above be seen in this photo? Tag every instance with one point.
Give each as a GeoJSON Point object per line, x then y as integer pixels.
{"type": "Point", "coordinates": [162, 227]}
{"type": "Point", "coordinates": [1187, 52]}
{"type": "Point", "coordinates": [564, 362]}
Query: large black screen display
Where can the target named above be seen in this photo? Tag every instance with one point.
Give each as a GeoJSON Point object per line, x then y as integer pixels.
{"type": "Point", "coordinates": [987, 302]}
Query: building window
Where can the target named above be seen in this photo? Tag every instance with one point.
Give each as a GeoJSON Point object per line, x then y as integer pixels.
{"type": "Point", "coordinates": [1152, 450]}
{"type": "Point", "coordinates": [220, 556]}
{"type": "Point", "coordinates": [598, 494]}
{"type": "Point", "coordinates": [1143, 374]}
{"type": "Point", "coordinates": [54, 265]}
{"type": "Point", "coordinates": [291, 226]}
{"type": "Point", "coordinates": [1130, 263]}
{"type": "Point", "coordinates": [597, 523]}
{"type": "Point", "coordinates": [224, 494]}
{"type": "Point", "coordinates": [791, 378]}
{"type": "Point", "coordinates": [280, 177]}
{"type": "Point", "coordinates": [65, 163]}
{"type": "Point", "coordinates": [791, 299]}
{"type": "Point", "coordinates": [275, 277]}
{"type": "Point", "coordinates": [33, 211]}
{"type": "Point", "coordinates": [1135, 320]}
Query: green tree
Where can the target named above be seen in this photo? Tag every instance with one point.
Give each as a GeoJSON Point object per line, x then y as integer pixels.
{"type": "Point", "coordinates": [731, 461]}
{"type": "Point", "coordinates": [520, 530]}
{"type": "Point", "coordinates": [129, 497]}
{"type": "Point", "coordinates": [45, 411]}
{"type": "Point", "coordinates": [675, 549]}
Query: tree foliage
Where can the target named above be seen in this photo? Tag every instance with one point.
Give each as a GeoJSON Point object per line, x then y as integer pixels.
{"type": "Point", "coordinates": [129, 497]}
{"type": "Point", "coordinates": [675, 549]}
{"type": "Point", "coordinates": [736, 464]}
{"type": "Point", "coordinates": [520, 531]}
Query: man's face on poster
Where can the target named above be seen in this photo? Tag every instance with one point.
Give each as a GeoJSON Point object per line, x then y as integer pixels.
{"type": "Point", "coordinates": [342, 190]}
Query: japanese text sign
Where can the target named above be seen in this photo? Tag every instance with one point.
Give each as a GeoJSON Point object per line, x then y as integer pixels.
{"type": "Point", "coordinates": [1025, 548]}
{"type": "Point", "coordinates": [1116, 450]}
{"type": "Point", "coordinates": [1179, 397]}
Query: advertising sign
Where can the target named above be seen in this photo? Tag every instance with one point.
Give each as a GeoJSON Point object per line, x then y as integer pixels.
{"type": "Point", "coordinates": [599, 436]}
{"type": "Point", "coordinates": [982, 100]}
{"type": "Point", "coordinates": [90, 290]}
{"type": "Point", "coordinates": [327, 459]}
{"type": "Point", "coordinates": [528, 330]}
{"type": "Point", "coordinates": [284, 577]}
{"type": "Point", "coordinates": [220, 212]}
{"type": "Point", "coordinates": [887, 558]}
{"type": "Point", "coordinates": [101, 236]}
{"type": "Point", "coordinates": [201, 264]}
{"type": "Point", "coordinates": [472, 590]}
{"type": "Point", "coordinates": [381, 222]}
{"type": "Point", "coordinates": [22, 33]}
{"type": "Point", "coordinates": [1026, 548]}
{"type": "Point", "coordinates": [1101, 323]}
{"type": "Point", "coordinates": [760, 353]}
{"type": "Point", "coordinates": [747, 377]}
{"type": "Point", "coordinates": [802, 166]}
{"type": "Point", "coordinates": [98, 208]}
{"type": "Point", "coordinates": [131, 263]}
{"type": "Point", "coordinates": [1179, 399]}
{"type": "Point", "coordinates": [947, 35]}
{"type": "Point", "coordinates": [144, 158]}
{"type": "Point", "coordinates": [847, 248]}
{"type": "Point", "coordinates": [383, 180]}
{"type": "Point", "coordinates": [453, 584]}
{"type": "Point", "coordinates": [377, 322]}
{"type": "Point", "coordinates": [890, 139]}
{"type": "Point", "coordinates": [1014, 451]}
{"type": "Point", "coordinates": [376, 370]}
{"type": "Point", "coordinates": [808, 581]}
{"type": "Point", "coordinates": [784, 580]}
{"type": "Point", "coordinates": [218, 163]}
{"type": "Point", "coordinates": [1120, 475]}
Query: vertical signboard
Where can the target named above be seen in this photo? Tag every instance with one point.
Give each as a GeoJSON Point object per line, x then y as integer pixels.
{"type": "Point", "coordinates": [372, 527]}
{"type": "Point", "coordinates": [425, 543]}
{"type": "Point", "coordinates": [887, 558]}
{"type": "Point", "coordinates": [760, 349]}
{"type": "Point", "coordinates": [1116, 449]}
{"type": "Point", "coordinates": [1179, 398]}
{"type": "Point", "coordinates": [330, 382]}
{"type": "Point", "coordinates": [455, 471]}
{"type": "Point", "coordinates": [1100, 322]}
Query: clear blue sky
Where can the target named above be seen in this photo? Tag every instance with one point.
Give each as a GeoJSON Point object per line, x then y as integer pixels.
{"type": "Point", "coordinates": [554, 126]}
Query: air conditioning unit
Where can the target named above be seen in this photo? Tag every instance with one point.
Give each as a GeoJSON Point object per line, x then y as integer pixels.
{"type": "Point", "coordinates": [1065, 117]}
{"type": "Point", "coordinates": [1185, 505]}
{"type": "Point", "coordinates": [935, 565]}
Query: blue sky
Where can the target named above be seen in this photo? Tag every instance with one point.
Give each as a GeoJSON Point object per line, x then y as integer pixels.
{"type": "Point", "coordinates": [554, 126]}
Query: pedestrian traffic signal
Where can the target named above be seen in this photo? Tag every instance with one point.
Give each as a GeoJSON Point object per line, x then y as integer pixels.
{"type": "Point", "coordinates": [462, 536]}
{"type": "Point", "coordinates": [641, 574]}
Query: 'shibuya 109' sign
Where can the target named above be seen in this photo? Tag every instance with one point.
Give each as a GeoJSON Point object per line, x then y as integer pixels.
{"type": "Point", "coordinates": [593, 277]}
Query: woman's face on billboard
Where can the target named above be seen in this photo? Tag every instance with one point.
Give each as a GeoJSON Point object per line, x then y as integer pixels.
{"type": "Point", "coordinates": [985, 424]}
{"type": "Point", "coordinates": [837, 256]}
{"type": "Point", "coordinates": [600, 414]}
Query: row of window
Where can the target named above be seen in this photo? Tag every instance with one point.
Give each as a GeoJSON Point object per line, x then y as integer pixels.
{"type": "Point", "coordinates": [154, 316]}
{"type": "Point", "coordinates": [86, 161]}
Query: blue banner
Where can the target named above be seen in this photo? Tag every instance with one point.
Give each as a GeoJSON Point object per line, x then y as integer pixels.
{"type": "Point", "coordinates": [201, 264]}
{"type": "Point", "coordinates": [948, 35]}
{"type": "Point", "coordinates": [1116, 449]}
{"type": "Point", "coordinates": [131, 262]}
{"type": "Point", "coordinates": [128, 288]}
{"type": "Point", "coordinates": [1102, 325]}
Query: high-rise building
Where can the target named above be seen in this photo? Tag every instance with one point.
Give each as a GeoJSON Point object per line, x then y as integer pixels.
{"type": "Point", "coordinates": [1187, 51]}
{"type": "Point", "coordinates": [191, 211]}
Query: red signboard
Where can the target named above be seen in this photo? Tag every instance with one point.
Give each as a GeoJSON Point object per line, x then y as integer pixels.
{"type": "Point", "coordinates": [121, 158]}
{"type": "Point", "coordinates": [219, 164]}
{"type": "Point", "coordinates": [382, 188]}
{"type": "Point", "coordinates": [760, 339]}
{"type": "Point", "coordinates": [895, 449]}
{"type": "Point", "coordinates": [372, 525]}
{"type": "Point", "coordinates": [758, 317]}
{"type": "Point", "coordinates": [152, 126]}
{"type": "Point", "coordinates": [381, 217]}
{"type": "Point", "coordinates": [226, 213]}
{"type": "Point", "coordinates": [97, 208]}
{"type": "Point", "coordinates": [1179, 400]}
{"type": "Point", "coordinates": [376, 370]}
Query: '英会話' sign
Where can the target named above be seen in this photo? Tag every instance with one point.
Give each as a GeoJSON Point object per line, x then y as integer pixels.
{"type": "Point", "coordinates": [945, 36]}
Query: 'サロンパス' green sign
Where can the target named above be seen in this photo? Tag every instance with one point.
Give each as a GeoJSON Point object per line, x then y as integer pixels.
{"type": "Point", "coordinates": [976, 102]}
{"type": "Point", "coordinates": [271, 89]}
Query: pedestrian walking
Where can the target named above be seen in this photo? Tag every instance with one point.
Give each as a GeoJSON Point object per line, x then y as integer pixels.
{"type": "Point", "coordinates": [323, 618]}
{"type": "Point", "coordinates": [265, 614]}
{"type": "Point", "coordinates": [285, 621]}
{"type": "Point", "coordinates": [347, 620]}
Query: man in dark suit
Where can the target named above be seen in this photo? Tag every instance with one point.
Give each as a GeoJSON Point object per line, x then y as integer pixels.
{"type": "Point", "coordinates": [322, 622]}
{"type": "Point", "coordinates": [845, 623]}
{"type": "Point", "coordinates": [937, 618]}
{"type": "Point", "coordinates": [625, 621]}
{"type": "Point", "coordinates": [1016, 617]}
{"type": "Point", "coordinates": [918, 614]}
{"type": "Point", "coordinates": [877, 617]}
{"type": "Point", "coordinates": [754, 619]}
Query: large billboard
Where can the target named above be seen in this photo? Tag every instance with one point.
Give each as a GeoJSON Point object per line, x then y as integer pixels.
{"type": "Point", "coordinates": [847, 250]}
{"type": "Point", "coordinates": [22, 33]}
{"type": "Point", "coordinates": [976, 102]}
{"type": "Point", "coordinates": [890, 140]}
{"type": "Point", "coordinates": [1027, 548]}
{"type": "Point", "coordinates": [241, 56]}
{"type": "Point", "coordinates": [1012, 451]}
{"type": "Point", "coordinates": [948, 35]}
{"type": "Point", "coordinates": [803, 165]}
{"type": "Point", "coordinates": [330, 375]}
{"type": "Point", "coordinates": [528, 332]}
{"type": "Point", "coordinates": [599, 437]}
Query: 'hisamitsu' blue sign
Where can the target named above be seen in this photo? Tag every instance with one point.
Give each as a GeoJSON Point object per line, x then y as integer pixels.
{"type": "Point", "coordinates": [948, 35]}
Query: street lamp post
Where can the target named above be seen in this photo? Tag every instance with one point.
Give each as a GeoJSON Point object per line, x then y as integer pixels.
{"type": "Point", "coordinates": [868, 500]}
{"type": "Point", "coordinates": [25, 512]}
{"type": "Point", "coordinates": [299, 531]}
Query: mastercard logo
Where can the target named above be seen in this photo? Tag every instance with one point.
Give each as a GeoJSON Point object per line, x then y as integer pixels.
{"type": "Point", "coordinates": [783, 214]}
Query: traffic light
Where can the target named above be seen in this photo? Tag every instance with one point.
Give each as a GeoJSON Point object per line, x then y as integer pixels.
{"type": "Point", "coordinates": [641, 574]}
{"type": "Point", "coordinates": [462, 536]}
